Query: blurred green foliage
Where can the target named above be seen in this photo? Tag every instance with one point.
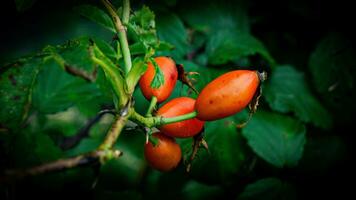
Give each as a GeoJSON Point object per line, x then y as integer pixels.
{"type": "Point", "coordinates": [296, 138]}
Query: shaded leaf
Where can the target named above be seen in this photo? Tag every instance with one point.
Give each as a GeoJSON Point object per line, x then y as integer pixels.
{"type": "Point", "coordinates": [170, 28]}
{"type": "Point", "coordinates": [276, 138]}
{"type": "Point", "coordinates": [96, 15]}
{"type": "Point", "coordinates": [30, 148]}
{"type": "Point", "coordinates": [332, 66]}
{"type": "Point", "coordinates": [56, 90]}
{"type": "Point", "coordinates": [287, 91]}
{"type": "Point", "coordinates": [268, 188]}
{"type": "Point", "coordinates": [210, 16]}
{"type": "Point", "coordinates": [16, 84]}
{"type": "Point", "coordinates": [229, 45]}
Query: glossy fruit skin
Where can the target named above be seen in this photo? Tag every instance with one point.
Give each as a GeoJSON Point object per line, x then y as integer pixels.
{"type": "Point", "coordinates": [166, 155]}
{"type": "Point", "coordinates": [227, 94]}
{"type": "Point", "coordinates": [170, 73]}
{"type": "Point", "coordinates": [176, 107]}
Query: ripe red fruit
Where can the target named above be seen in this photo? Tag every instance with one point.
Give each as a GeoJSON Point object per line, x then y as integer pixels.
{"type": "Point", "coordinates": [166, 155]}
{"type": "Point", "coordinates": [170, 73]}
{"type": "Point", "coordinates": [227, 94]}
{"type": "Point", "coordinates": [176, 107]}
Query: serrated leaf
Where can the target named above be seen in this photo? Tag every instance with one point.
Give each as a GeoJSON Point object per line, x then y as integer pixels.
{"type": "Point", "coordinates": [74, 53]}
{"type": "Point", "coordinates": [225, 157]}
{"type": "Point", "coordinates": [210, 16]}
{"type": "Point", "coordinates": [56, 90]}
{"type": "Point", "coordinates": [268, 189]}
{"type": "Point", "coordinates": [158, 79]}
{"type": "Point", "coordinates": [22, 5]}
{"type": "Point", "coordinates": [142, 27]}
{"type": "Point", "coordinates": [276, 138]}
{"type": "Point", "coordinates": [96, 15]}
{"type": "Point", "coordinates": [170, 28]}
{"type": "Point", "coordinates": [287, 91]}
{"type": "Point", "coordinates": [16, 84]}
{"type": "Point", "coordinates": [144, 17]}
{"type": "Point", "coordinates": [230, 45]}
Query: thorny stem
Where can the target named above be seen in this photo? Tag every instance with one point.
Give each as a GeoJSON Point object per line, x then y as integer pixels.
{"type": "Point", "coordinates": [121, 30]}
{"type": "Point", "coordinates": [152, 106]}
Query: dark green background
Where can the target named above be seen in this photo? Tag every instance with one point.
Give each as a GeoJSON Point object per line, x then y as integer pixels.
{"type": "Point", "coordinates": [305, 46]}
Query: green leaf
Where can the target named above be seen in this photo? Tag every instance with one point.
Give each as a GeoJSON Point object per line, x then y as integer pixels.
{"type": "Point", "coordinates": [276, 138]}
{"type": "Point", "coordinates": [75, 54]}
{"type": "Point", "coordinates": [144, 17]}
{"type": "Point", "coordinates": [287, 91]}
{"type": "Point", "coordinates": [139, 67]}
{"type": "Point", "coordinates": [226, 153]}
{"type": "Point", "coordinates": [170, 28]}
{"type": "Point", "coordinates": [16, 84]}
{"type": "Point", "coordinates": [164, 46]}
{"type": "Point", "coordinates": [107, 49]}
{"type": "Point", "coordinates": [142, 27]}
{"type": "Point", "coordinates": [22, 5]}
{"type": "Point", "coordinates": [29, 148]}
{"type": "Point", "coordinates": [230, 45]}
{"type": "Point", "coordinates": [138, 48]}
{"type": "Point", "coordinates": [268, 189]}
{"type": "Point", "coordinates": [112, 73]}
{"type": "Point", "coordinates": [158, 79]}
{"type": "Point", "coordinates": [210, 16]}
{"type": "Point", "coordinates": [96, 15]}
{"type": "Point", "coordinates": [332, 66]}
{"type": "Point", "coordinates": [56, 90]}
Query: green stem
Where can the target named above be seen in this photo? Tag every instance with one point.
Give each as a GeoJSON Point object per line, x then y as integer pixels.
{"type": "Point", "coordinates": [125, 51]}
{"type": "Point", "coordinates": [121, 30]}
{"type": "Point", "coordinates": [178, 118]}
{"type": "Point", "coordinates": [114, 133]}
{"type": "Point", "coordinates": [146, 121]}
{"type": "Point", "coordinates": [158, 121]}
{"type": "Point", "coordinates": [126, 12]}
{"type": "Point", "coordinates": [152, 106]}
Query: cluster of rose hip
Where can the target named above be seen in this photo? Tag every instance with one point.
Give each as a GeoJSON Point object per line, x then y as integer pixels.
{"type": "Point", "coordinates": [224, 96]}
